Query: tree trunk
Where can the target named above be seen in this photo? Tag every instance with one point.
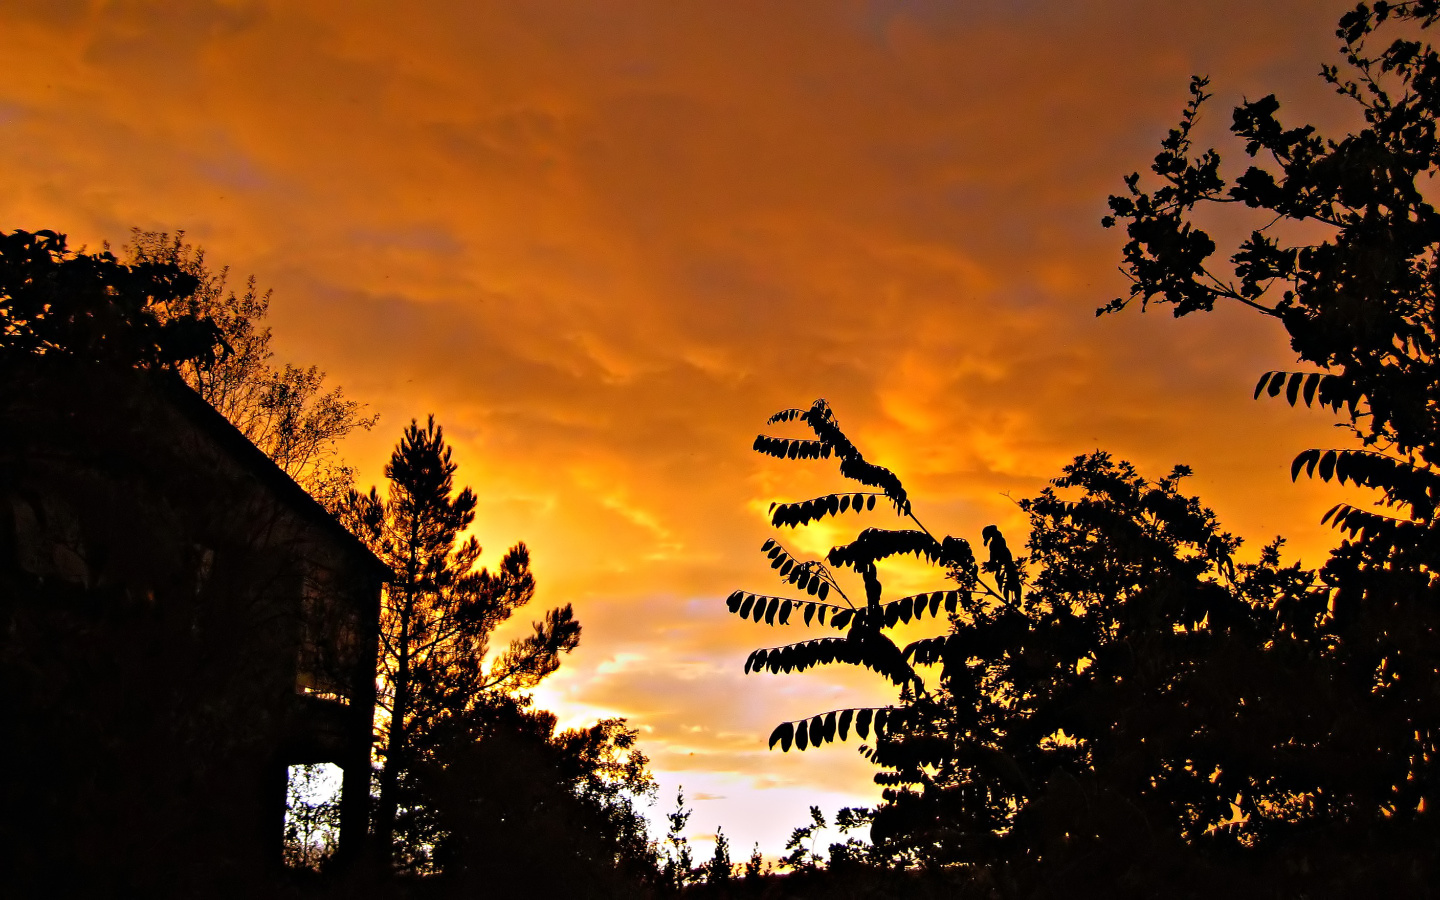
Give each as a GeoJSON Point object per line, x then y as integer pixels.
{"type": "Point", "coordinates": [388, 806]}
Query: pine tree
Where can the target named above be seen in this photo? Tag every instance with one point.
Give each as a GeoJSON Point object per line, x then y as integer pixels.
{"type": "Point", "coordinates": [437, 617]}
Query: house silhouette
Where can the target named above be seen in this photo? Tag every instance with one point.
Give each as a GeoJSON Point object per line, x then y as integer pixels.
{"type": "Point", "coordinates": [179, 623]}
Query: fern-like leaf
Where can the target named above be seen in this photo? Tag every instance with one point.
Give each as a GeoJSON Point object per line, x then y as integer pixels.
{"type": "Point", "coordinates": [875, 544]}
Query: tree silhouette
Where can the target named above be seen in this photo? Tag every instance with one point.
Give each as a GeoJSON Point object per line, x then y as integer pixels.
{"type": "Point", "coordinates": [720, 871]}
{"type": "Point", "coordinates": [679, 867]}
{"type": "Point", "coordinates": [1359, 306]}
{"type": "Point", "coordinates": [437, 617]}
{"type": "Point", "coordinates": [524, 811]}
{"type": "Point", "coordinates": [96, 309]}
{"type": "Point", "coordinates": [286, 412]}
{"type": "Point", "coordinates": [1127, 702]}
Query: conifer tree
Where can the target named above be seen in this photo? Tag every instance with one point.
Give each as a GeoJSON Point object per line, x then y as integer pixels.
{"type": "Point", "coordinates": [437, 617]}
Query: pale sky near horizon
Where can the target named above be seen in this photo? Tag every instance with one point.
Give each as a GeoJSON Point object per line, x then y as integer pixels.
{"type": "Point", "coordinates": [603, 241]}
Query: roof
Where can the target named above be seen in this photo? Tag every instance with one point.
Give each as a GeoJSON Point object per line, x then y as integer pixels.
{"type": "Point", "coordinates": [171, 389]}
{"type": "Point", "coordinates": [194, 407]}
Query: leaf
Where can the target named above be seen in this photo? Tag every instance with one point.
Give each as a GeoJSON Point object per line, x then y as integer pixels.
{"type": "Point", "coordinates": [1327, 465]}
{"type": "Point", "coordinates": [747, 606]}
{"type": "Point", "coordinates": [1307, 460]}
{"type": "Point", "coordinates": [870, 502]}
{"type": "Point", "coordinates": [824, 590]}
{"type": "Point", "coordinates": [784, 733]}
{"type": "Point", "coordinates": [841, 618]}
{"type": "Point", "coordinates": [845, 503]}
{"type": "Point", "coordinates": [829, 732]}
{"type": "Point", "coordinates": [817, 731]}
{"type": "Point", "coordinates": [809, 612]}
{"type": "Point", "coordinates": [784, 614]}
{"type": "Point", "coordinates": [862, 723]}
{"type": "Point", "coordinates": [802, 738]}
{"type": "Point", "coordinates": [771, 609]}
{"type": "Point", "coordinates": [844, 723]}
{"type": "Point", "coordinates": [734, 600]}
{"type": "Point", "coordinates": [935, 600]}
{"type": "Point", "coordinates": [952, 600]}
{"type": "Point", "coordinates": [760, 604]}
{"type": "Point", "coordinates": [768, 545]}
{"type": "Point", "coordinates": [1260, 385]}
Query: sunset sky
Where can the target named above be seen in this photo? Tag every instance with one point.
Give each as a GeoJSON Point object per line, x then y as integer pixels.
{"type": "Point", "coordinates": [603, 241]}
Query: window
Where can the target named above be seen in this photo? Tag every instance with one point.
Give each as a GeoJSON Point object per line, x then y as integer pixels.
{"type": "Point", "coordinates": [328, 627]}
{"type": "Point", "coordinates": [312, 814]}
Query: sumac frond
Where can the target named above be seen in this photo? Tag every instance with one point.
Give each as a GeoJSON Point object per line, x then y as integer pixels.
{"type": "Point", "coordinates": [1401, 482]}
{"type": "Point", "coordinates": [832, 726]}
{"type": "Point", "coordinates": [785, 415]}
{"type": "Point", "coordinates": [806, 511]}
{"type": "Point", "coordinates": [789, 448]}
{"type": "Point", "coordinates": [1332, 391]}
{"type": "Point", "coordinates": [875, 544]}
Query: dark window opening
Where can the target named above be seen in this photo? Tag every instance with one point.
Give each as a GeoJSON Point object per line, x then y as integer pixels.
{"type": "Point", "coordinates": [328, 641]}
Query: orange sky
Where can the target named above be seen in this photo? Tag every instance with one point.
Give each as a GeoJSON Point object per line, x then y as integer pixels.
{"type": "Point", "coordinates": [602, 241]}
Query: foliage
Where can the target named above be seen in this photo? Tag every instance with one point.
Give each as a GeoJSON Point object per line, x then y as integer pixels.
{"type": "Point", "coordinates": [1358, 302]}
{"type": "Point", "coordinates": [678, 869]}
{"type": "Point", "coordinates": [286, 412]}
{"type": "Point", "coordinates": [802, 856]}
{"type": "Point", "coordinates": [720, 870]}
{"type": "Point", "coordinates": [1140, 705]}
{"type": "Point", "coordinates": [437, 617]}
{"type": "Point", "coordinates": [522, 810]}
{"type": "Point", "coordinates": [755, 867]}
{"type": "Point", "coordinates": [864, 642]}
{"type": "Point", "coordinates": [93, 307]}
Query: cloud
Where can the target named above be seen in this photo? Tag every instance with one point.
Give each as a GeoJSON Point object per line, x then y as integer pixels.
{"type": "Point", "coordinates": [602, 243]}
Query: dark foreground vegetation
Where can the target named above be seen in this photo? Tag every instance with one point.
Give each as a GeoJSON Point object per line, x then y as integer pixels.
{"type": "Point", "coordinates": [1129, 707]}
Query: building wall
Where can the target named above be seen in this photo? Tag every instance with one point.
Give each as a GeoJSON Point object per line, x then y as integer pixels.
{"type": "Point", "coordinates": [155, 650]}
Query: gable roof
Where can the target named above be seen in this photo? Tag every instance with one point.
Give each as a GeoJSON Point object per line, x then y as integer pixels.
{"type": "Point", "coordinates": [171, 390]}
{"type": "Point", "coordinates": [189, 403]}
